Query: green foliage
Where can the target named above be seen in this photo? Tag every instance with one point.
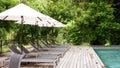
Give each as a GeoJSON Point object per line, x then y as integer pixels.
{"type": "Point", "coordinates": [92, 20]}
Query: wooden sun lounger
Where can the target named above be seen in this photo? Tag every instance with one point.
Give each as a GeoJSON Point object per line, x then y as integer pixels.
{"type": "Point", "coordinates": [32, 54]}
{"type": "Point", "coordinates": [41, 51]}
{"type": "Point", "coordinates": [42, 61]}
{"type": "Point", "coordinates": [46, 44]}
{"type": "Point", "coordinates": [47, 48]}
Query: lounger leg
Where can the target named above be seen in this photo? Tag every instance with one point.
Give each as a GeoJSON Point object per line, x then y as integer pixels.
{"type": "Point", "coordinates": [54, 65]}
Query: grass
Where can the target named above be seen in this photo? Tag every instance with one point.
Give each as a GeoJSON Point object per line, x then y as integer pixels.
{"type": "Point", "coordinates": [85, 44]}
{"type": "Point", "coordinates": [5, 49]}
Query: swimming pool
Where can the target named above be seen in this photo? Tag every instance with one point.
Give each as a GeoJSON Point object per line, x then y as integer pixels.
{"type": "Point", "coordinates": [110, 57]}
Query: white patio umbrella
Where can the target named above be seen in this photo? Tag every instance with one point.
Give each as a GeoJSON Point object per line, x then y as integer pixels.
{"type": "Point", "coordinates": [24, 14]}
{"type": "Point", "coordinates": [27, 14]}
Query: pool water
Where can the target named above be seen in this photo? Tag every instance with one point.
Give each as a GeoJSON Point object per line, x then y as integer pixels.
{"type": "Point", "coordinates": [110, 57]}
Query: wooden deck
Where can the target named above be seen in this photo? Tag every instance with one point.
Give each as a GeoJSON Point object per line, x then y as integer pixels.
{"type": "Point", "coordinates": [80, 57]}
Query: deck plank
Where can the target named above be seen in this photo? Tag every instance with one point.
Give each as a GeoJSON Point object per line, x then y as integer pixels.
{"type": "Point", "coordinates": [80, 57]}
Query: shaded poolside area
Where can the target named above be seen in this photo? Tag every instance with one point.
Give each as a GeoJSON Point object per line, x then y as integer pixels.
{"type": "Point", "coordinates": [75, 57]}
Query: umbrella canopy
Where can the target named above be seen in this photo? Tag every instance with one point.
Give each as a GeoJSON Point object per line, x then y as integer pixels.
{"type": "Point", "coordinates": [28, 15]}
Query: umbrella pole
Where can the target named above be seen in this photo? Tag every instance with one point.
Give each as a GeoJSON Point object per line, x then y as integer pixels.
{"type": "Point", "coordinates": [21, 37]}
{"type": "Point", "coordinates": [52, 37]}
{"type": "Point", "coordinates": [37, 29]}
{"type": "Point", "coordinates": [1, 46]}
{"type": "Point", "coordinates": [47, 37]}
{"type": "Point", "coordinates": [37, 32]}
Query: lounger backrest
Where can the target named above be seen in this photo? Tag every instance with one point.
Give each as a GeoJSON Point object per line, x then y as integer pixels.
{"type": "Point", "coordinates": [33, 45]}
{"type": "Point", "coordinates": [14, 49]}
{"type": "Point", "coordinates": [45, 43]}
{"type": "Point", "coordinates": [15, 60]}
{"type": "Point", "coordinates": [23, 48]}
